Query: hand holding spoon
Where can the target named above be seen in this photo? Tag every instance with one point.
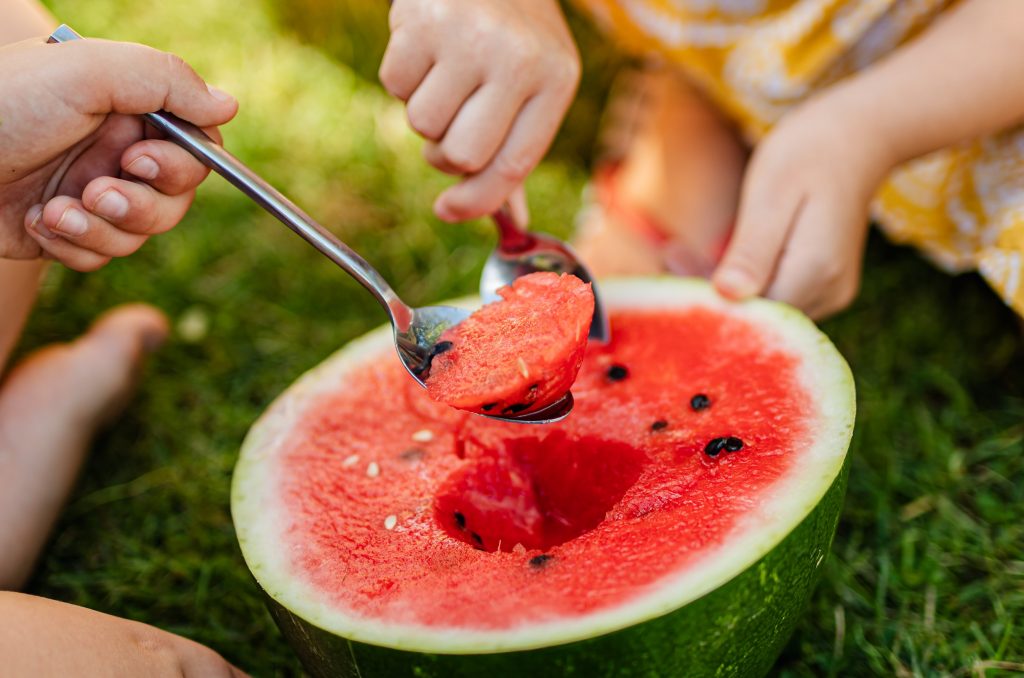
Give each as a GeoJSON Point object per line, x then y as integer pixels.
{"type": "Point", "coordinates": [416, 330]}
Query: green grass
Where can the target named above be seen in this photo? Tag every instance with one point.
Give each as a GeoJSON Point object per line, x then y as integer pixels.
{"type": "Point", "coordinates": [927, 571]}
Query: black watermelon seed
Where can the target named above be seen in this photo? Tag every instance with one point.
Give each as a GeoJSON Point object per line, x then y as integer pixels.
{"type": "Point", "coordinates": [477, 538]}
{"type": "Point", "coordinates": [412, 455]}
{"type": "Point", "coordinates": [541, 560]}
{"type": "Point", "coordinates": [658, 425]}
{"type": "Point", "coordinates": [617, 372]}
{"type": "Point", "coordinates": [715, 447]}
{"type": "Point", "coordinates": [460, 520]}
{"type": "Point", "coordinates": [515, 409]}
{"type": "Point", "coordinates": [700, 402]}
{"type": "Point", "coordinates": [423, 369]}
{"type": "Point", "coordinates": [488, 407]}
{"type": "Point", "coordinates": [733, 444]}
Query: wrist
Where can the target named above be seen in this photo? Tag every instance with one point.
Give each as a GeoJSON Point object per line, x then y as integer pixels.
{"type": "Point", "coordinates": [859, 118]}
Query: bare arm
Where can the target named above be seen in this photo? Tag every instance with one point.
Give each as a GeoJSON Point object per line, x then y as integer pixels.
{"type": "Point", "coordinates": [961, 79]}
{"type": "Point", "coordinates": [803, 210]}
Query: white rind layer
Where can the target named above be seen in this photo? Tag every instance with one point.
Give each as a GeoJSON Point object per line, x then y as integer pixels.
{"type": "Point", "coordinates": [259, 519]}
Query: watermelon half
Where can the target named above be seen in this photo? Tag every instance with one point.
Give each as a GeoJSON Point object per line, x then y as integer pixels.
{"type": "Point", "coordinates": [673, 525]}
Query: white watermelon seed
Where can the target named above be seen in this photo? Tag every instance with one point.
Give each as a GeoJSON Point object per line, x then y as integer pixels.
{"type": "Point", "coordinates": [373, 469]}
{"type": "Point", "coordinates": [390, 522]}
{"type": "Point", "coordinates": [351, 461]}
{"type": "Point", "coordinates": [423, 435]}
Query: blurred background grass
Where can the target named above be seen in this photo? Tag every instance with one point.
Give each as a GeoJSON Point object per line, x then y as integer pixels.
{"type": "Point", "coordinates": [927, 572]}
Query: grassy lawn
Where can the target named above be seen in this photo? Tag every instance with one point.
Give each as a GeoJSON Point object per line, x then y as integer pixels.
{"type": "Point", "coordinates": [927, 571]}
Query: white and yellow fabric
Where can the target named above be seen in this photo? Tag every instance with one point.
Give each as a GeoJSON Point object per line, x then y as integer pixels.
{"type": "Point", "coordinates": [963, 206]}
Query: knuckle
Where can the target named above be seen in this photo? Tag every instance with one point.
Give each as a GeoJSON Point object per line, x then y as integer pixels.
{"type": "Point", "coordinates": [425, 121]}
{"type": "Point", "coordinates": [414, 13]}
{"type": "Point", "coordinates": [154, 649]}
{"type": "Point", "coordinates": [513, 168]}
{"type": "Point", "coordinates": [746, 261]}
{"type": "Point", "coordinates": [435, 158]}
{"type": "Point", "coordinates": [527, 50]}
{"type": "Point", "coordinates": [464, 159]}
{"type": "Point", "coordinates": [176, 65]}
{"type": "Point", "coordinates": [392, 66]}
{"type": "Point", "coordinates": [830, 270]}
{"type": "Point", "coordinates": [459, 205]}
{"type": "Point", "coordinates": [566, 70]}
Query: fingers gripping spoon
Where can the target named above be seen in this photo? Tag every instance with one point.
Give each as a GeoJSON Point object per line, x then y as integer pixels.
{"type": "Point", "coordinates": [416, 330]}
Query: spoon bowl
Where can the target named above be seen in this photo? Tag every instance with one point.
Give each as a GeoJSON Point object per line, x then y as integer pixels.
{"type": "Point", "coordinates": [421, 340]}
{"type": "Point", "coordinates": [522, 252]}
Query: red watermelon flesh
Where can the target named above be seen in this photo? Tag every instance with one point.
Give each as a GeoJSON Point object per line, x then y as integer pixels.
{"type": "Point", "coordinates": [518, 354]}
{"type": "Point", "coordinates": [536, 491]}
{"type": "Point", "coordinates": [606, 503]}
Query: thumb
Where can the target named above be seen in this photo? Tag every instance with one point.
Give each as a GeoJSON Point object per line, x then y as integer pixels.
{"type": "Point", "coordinates": [765, 217]}
{"type": "Point", "coordinates": [101, 77]}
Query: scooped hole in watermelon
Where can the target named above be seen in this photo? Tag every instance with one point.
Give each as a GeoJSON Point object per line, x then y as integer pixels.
{"type": "Point", "coordinates": [538, 492]}
{"type": "Point", "coordinates": [518, 354]}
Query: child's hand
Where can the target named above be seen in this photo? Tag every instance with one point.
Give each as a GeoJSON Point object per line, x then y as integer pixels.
{"type": "Point", "coordinates": [40, 637]}
{"type": "Point", "coordinates": [802, 220]}
{"type": "Point", "coordinates": [487, 83]}
{"type": "Point", "coordinates": [80, 181]}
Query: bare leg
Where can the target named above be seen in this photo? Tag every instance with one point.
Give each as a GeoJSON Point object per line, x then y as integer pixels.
{"type": "Point", "coordinates": [682, 166]}
{"type": "Point", "coordinates": [19, 281]}
{"type": "Point", "coordinates": [51, 406]}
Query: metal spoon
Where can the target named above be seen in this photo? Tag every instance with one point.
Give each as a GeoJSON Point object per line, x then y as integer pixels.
{"type": "Point", "coordinates": [416, 330]}
{"type": "Point", "coordinates": [521, 252]}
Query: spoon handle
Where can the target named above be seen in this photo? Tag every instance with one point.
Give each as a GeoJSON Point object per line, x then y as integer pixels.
{"type": "Point", "coordinates": [512, 239]}
{"type": "Point", "coordinates": [218, 159]}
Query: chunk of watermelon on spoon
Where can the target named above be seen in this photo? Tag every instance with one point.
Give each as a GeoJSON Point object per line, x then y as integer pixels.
{"type": "Point", "coordinates": [519, 354]}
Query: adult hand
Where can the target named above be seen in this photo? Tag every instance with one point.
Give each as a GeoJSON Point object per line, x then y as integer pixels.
{"type": "Point", "coordinates": [81, 181]}
{"type": "Point", "coordinates": [487, 83]}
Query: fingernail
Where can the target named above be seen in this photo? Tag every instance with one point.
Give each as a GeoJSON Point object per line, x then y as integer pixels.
{"type": "Point", "coordinates": [735, 284]}
{"type": "Point", "coordinates": [443, 212]}
{"type": "Point", "coordinates": [144, 167]}
{"type": "Point", "coordinates": [111, 205]}
{"type": "Point", "coordinates": [73, 222]}
{"type": "Point", "coordinates": [35, 223]}
{"type": "Point", "coordinates": [219, 94]}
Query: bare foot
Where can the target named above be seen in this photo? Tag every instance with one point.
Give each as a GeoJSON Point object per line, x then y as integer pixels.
{"type": "Point", "coordinates": [51, 406]}
{"type": "Point", "coordinates": [672, 199]}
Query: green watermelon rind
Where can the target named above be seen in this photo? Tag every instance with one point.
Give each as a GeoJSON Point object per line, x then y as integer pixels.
{"type": "Point", "coordinates": [765, 573]}
{"type": "Point", "coordinates": [737, 630]}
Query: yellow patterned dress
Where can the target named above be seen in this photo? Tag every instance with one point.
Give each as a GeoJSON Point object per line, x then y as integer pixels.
{"type": "Point", "coordinates": [963, 206]}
